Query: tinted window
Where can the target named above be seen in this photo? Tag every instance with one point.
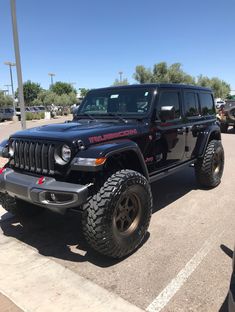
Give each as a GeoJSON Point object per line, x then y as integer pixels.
{"type": "Point", "coordinates": [169, 100]}
{"type": "Point", "coordinates": [207, 105]}
{"type": "Point", "coordinates": [191, 104]}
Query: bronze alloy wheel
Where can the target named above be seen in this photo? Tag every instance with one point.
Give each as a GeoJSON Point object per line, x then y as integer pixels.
{"type": "Point", "coordinates": [116, 219]}
{"type": "Point", "coordinates": [127, 214]}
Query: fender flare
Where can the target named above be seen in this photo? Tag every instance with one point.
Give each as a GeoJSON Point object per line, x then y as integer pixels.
{"type": "Point", "coordinates": [212, 132]}
{"type": "Point", "coordinates": [108, 149]}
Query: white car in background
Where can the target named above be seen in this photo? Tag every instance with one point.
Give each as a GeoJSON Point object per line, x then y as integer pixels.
{"type": "Point", "coordinates": [219, 103]}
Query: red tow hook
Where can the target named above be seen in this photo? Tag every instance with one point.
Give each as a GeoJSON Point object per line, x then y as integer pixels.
{"type": "Point", "coordinates": [2, 170]}
{"type": "Point", "coordinates": [41, 180]}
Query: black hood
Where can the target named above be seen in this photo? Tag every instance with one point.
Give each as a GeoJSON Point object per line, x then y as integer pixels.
{"type": "Point", "coordinates": [79, 130]}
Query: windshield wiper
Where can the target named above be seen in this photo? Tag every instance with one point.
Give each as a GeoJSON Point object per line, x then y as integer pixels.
{"type": "Point", "coordinates": [85, 114]}
{"type": "Point", "coordinates": [118, 116]}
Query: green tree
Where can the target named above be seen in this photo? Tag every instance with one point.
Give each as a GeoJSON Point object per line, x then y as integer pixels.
{"type": "Point", "coordinates": [63, 100]}
{"type": "Point", "coordinates": [31, 91]}
{"type": "Point", "coordinates": [162, 73]}
{"type": "Point", "coordinates": [48, 97]}
{"type": "Point", "coordinates": [5, 100]}
{"type": "Point", "coordinates": [62, 88]}
{"type": "Point", "coordinates": [72, 98]}
{"type": "Point", "coordinates": [220, 88]}
{"type": "Point", "coordinates": [177, 75]}
{"type": "Point", "coordinates": [83, 92]}
{"type": "Point", "coordinates": [142, 74]}
{"type": "Point", "coordinates": [117, 82]}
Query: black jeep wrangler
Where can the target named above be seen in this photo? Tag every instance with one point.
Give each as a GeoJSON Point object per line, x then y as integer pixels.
{"type": "Point", "coordinates": [103, 161]}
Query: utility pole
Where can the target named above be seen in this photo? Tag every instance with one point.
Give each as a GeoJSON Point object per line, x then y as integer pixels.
{"type": "Point", "coordinates": [7, 87]}
{"type": "Point", "coordinates": [120, 74]}
{"type": "Point", "coordinates": [52, 75]}
{"type": "Point", "coordinates": [18, 63]}
{"type": "Point", "coordinates": [10, 64]}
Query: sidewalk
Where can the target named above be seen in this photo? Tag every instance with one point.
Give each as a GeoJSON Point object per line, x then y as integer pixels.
{"type": "Point", "coordinates": [7, 305]}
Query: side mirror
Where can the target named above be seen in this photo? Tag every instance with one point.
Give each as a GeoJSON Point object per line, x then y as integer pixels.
{"type": "Point", "coordinates": [167, 113]}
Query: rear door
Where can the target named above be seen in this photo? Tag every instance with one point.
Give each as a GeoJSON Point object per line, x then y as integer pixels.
{"type": "Point", "coordinates": [170, 130]}
{"type": "Point", "coordinates": [198, 114]}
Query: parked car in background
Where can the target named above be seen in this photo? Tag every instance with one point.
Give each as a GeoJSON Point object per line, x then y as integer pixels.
{"type": "Point", "coordinates": [219, 103]}
{"type": "Point", "coordinates": [18, 113]}
{"type": "Point", "coordinates": [6, 114]}
{"type": "Point", "coordinates": [231, 295]}
{"type": "Point", "coordinates": [41, 108]}
{"type": "Point", "coordinates": [226, 115]}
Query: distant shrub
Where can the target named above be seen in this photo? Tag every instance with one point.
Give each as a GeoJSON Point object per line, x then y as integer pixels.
{"type": "Point", "coordinates": [29, 116]}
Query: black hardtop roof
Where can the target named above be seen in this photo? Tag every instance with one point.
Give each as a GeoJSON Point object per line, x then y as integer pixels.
{"type": "Point", "coordinates": [157, 85]}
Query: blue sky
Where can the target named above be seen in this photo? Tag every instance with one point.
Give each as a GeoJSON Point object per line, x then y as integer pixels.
{"type": "Point", "coordinates": [89, 42]}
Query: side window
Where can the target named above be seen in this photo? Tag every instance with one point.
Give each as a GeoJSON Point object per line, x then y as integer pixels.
{"type": "Point", "coordinates": [168, 107]}
{"type": "Point", "coordinates": [191, 104]}
{"type": "Point", "coordinates": [207, 105]}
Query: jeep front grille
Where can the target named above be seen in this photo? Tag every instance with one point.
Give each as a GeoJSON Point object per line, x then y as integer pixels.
{"type": "Point", "coordinates": [32, 156]}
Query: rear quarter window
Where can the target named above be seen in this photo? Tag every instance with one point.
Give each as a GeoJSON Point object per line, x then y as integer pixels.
{"type": "Point", "coordinates": [207, 104]}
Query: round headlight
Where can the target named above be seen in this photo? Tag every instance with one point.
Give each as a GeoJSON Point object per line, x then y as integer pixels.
{"type": "Point", "coordinates": [66, 153]}
{"type": "Point", "coordinates": [11, 151]}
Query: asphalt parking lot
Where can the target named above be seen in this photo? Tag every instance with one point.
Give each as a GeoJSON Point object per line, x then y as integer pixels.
{"type": "Point", "coordinates": [184, 263]}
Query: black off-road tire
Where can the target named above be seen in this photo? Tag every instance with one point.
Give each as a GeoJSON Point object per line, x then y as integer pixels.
{"type": "Point", "coordinates": [209, 169]}
{"type": "Point", "coordinates": [104, 213]}
{"type": "Point", "coordinates": [223, 127]}
{"type": "Point", "coordinates": [19, 207]}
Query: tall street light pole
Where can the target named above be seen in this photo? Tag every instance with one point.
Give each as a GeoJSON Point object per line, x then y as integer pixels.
{"type": "Point", "coordinates": [18, 64]}
{"type": "Point", "coordinates": [10, 64]}
{"type": "Point", "coordinates": [120, 74]}
{"type": "Point", "coordinates": [7, 87]}
{"type": "Point", "coordinates": [52, 75]}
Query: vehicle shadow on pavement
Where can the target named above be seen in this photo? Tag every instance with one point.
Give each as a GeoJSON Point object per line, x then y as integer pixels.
{"type": "Point", "coordinates": [229, 253]}
{"type": "Point", "coordinates": [61, 237]}
{"type": "Point", "coordinates": [173, 187]}
{"type": "Point", "coordinates": [56, 236]}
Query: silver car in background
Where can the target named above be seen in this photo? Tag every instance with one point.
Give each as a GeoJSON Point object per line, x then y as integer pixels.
{"type": "Point", "coordinates": [6, 114]}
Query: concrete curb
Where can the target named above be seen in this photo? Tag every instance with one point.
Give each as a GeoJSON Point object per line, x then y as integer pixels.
{"type": "Point", "coordinates": [38, 284]}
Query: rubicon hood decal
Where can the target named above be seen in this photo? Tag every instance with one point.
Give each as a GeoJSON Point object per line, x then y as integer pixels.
{"type": "Point", "coordinates": [110, 136]}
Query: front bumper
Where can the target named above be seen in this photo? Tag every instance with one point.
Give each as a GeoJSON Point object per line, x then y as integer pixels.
{"type": "Point", "coordinates": [49, 193]}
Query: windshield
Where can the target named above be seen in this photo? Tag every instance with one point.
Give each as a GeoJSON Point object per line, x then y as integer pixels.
{"type": "Point", "coordinates": [126, 102]}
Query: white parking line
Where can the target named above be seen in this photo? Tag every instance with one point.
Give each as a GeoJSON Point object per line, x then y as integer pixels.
{"type": "Point", "coordinates": [171, 289]}
{"type": "Point", "coordinates": [4, 215]}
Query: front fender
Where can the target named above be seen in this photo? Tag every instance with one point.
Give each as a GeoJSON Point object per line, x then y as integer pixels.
{"type": "Point", "coordinates": [107, 150]}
